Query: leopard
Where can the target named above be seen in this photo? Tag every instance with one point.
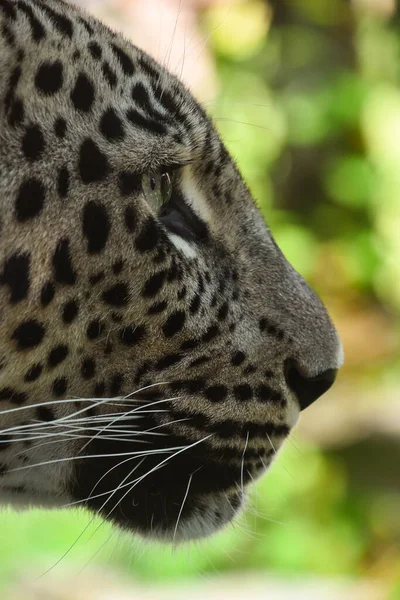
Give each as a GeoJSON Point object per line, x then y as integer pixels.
{"type": "Point", "coordinates": [156, 346]}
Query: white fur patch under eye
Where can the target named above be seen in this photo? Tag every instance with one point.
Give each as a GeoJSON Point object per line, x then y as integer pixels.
{"type": "Point", "coordinates": [194, 196]}
{"type": "Point", "coordinates": [187, 249]}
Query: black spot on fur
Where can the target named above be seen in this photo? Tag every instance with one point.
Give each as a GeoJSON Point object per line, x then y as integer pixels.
{"type": "Point", "coordinates": [47, 293]}
{"type": "Point", "coordinates": [111, 126]}
{"type": "Point", "coordinates": [95, 329]}
{"type": "Point", "coordinates": [57, 355]}
{"type": "Point", "coordinates": [130, 219]}
{"type": "Point", "coordinates": [30, 199]}
{"type": "Point", "coordinates": [16, 276]}
{"type": "Point", "coordinates": [95, 50]}
{"type": "Point", "coordinates": [133, 334]}
{"type": "Point", "coordinates": [60, 127]}
{"type": "Point", "coordinates": [167, 361]}
{"type": "Point", "coordinates": [44, 413]}
{"type": "Point", "coordinates": [118, 266]}
{"type": "Point", "coordinates": [37, 29]}
{"type": "Point", "coordinates": [116, 384]}
{"type": "Point", "coordinates": [182, 293]}
{"type": "Point", "coordinates": [117, 295]}
{"type": "Point", "coordinates": [216, 393]}
{"type": "Point", "coordinates": [60, 386]}
{"type": "Point", "coordinates": [151, 125]}
{"type": "Point", "coordinates": [70, 311]}
{"type": "Point", "coordinates": [96, 278]}
{"type": "Point", "coordinates": [243, 392]}
{"type": "Point", "coordinates": [99, 389]}
{"type": "Point", "coordinates": [12, 85]}
{"type": "Point", "coordinates": [28, 334]}
{"type": "Point", "coordinates": [96, 226]}
{"type": "Point", "coordinates": [33, 143]}
{"type": "Point", "coordinates": [63, 182]}
{"type": "Point", "coordinates": [124, 59]}
{"type": "Point", "coordinates": [63, 270]}
{"type": "Point", "coordinates": [93, 164]}
{"type": "Point", "coordinates": [223, 312]}
{"type": "Point", "coordinates": [109, 74]}
{"type": "Point", "coordinates": [195, 304]}
{"type": "Point", "coordinates": [49, 78]}
{"type": "Point", "coordinates": [82, 95]}
{"type": "Point", "coordinates": [34, 373]}
{"type": "Point", "coordinates": [148, 237]}
{"type": "Point", "coordinates": [154, 284]}
{"type": "Point", "coordinates": [157, 308]}
{"type": "Point", "coordinates": [13, 396]}
{"type": "Point", "coordinates": [88, 368]}
{"type": "Point", "coordinates": [174, 324]}
{"type": "Point", "coordinates": [86, 25]}
{"type": "Point", "coordinates": [17, 113]}
{"type": "Point", "coordinates": [190, 344]}
{"type": "Point", "coordinates": [210, 334]}
{"type": "Point", "coordinates": [60, 22]}
{"type": "Point", "coordinates": [129, 183]}
{"type": "Point", "coordinates": [8, 9]}
{"type": "Point", "coordinates": [265, 393]}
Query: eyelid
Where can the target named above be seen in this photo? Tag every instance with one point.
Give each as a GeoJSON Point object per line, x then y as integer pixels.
{"type": "Point", "coordinates": [176, 165]}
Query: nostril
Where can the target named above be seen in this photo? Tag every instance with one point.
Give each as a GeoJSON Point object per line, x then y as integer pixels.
{"type": "Point", "coordinates": [307, 389]}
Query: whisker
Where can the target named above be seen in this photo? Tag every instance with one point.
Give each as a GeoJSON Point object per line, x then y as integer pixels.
{"type": "Point", "coordinates": [89, 456]}
{"type": "Point", "coordinates": [242, 465]}
{"type": "Point", "coordinates": [182, 505]}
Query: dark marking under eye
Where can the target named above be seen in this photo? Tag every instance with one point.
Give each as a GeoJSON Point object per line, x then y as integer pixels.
{"type": "Point", "coordinates": [180, 219]}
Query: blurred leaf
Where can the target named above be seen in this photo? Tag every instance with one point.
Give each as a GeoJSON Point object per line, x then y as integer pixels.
{"type": "Point", "coordinates": [299, 246]}
{"type": "Point", "coordinates": [238, 30]}
{"type": "Point", "coordinates": [349, 180]}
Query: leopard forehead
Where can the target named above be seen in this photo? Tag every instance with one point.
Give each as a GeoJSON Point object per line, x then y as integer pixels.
{"type": "Point", "coordinates": [103, 297]}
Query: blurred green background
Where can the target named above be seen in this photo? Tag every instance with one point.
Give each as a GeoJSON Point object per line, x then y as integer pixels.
{"type": "Point", "coordinates": [306, 96]}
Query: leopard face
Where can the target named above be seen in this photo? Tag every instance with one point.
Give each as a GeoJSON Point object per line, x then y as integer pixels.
{"type": "Point", "coordinates": [156, 347]}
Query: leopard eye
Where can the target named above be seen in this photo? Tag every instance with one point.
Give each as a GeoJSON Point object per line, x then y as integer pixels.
{"type": "Point", "coordinates": [157, 188]}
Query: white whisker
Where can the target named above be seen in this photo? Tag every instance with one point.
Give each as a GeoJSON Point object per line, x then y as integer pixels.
{"type": "Point", "coordinates": [182, 505]}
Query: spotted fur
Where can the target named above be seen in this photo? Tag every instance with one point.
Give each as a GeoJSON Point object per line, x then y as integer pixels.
{"type": "Point", "coordinates": [151, 362]}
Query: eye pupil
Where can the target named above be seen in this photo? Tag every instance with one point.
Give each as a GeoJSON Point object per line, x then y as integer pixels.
{"type": "Point", "coordinates": [153, 183]}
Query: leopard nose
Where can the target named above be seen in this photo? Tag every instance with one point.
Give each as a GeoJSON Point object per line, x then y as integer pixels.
{"type": "Point", "coordinates": [307, 389]}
